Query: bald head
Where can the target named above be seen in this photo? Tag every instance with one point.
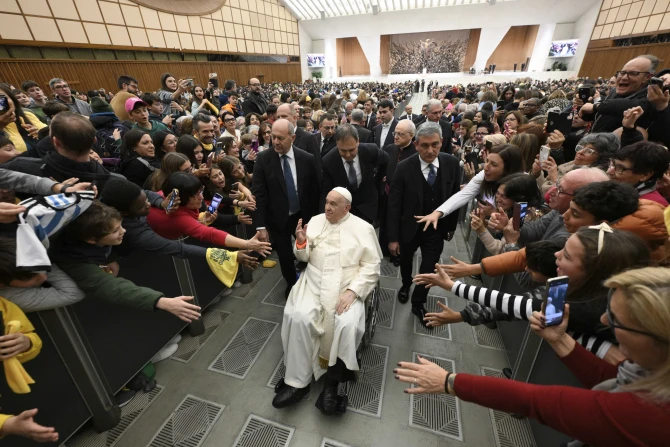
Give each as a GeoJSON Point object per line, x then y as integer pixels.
{"type": "Point", "coordinates": [254, 85]}
{"type": "Point", "coordinates": [287, 112]}
{"type": "Point", "coordinates": [283, 135]}
{"type": "Point", "coordinates": [404, 132]}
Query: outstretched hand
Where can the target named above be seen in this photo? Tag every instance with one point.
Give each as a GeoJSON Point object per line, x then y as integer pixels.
{"type": "Point", "coordinates": [430, 219]}
{"type": "Point", "coordinates": [301, 233]}
{"type": "Point", "coordinates": [427, 377]}
{"type": "Point", "coordinates": [459, 269]}
{"type": "Point", "coordinates": [440, 278]}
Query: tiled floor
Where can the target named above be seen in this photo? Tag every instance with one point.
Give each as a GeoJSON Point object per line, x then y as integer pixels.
{"type": "Point", "coordinates": [217, 389]}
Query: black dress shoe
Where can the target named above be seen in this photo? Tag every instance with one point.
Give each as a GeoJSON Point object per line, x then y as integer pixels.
{"type": "Point", "coordinates": [420, 312]}
{"type": "Point", "coordinates": [328, 401]}
{"type": "Point", "coordinates": [403, 294]}
{"type": "Point", "coordinates": [289, 395]}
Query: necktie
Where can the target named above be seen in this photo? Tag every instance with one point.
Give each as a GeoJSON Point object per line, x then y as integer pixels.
{"type": "Point", "coordinates": [431, 175]}
{"type": "Point", "coordinates": [293, 202]}
{"type": "Point", "coordinates": [351, 175]}
{"type": "Point", "coordinates": [324, 143]}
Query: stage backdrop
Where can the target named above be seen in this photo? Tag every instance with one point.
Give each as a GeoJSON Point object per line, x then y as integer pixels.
{"type": "Point", "coordinates": [437, 52]}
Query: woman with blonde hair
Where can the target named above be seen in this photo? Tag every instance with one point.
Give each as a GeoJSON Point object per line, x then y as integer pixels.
{"type": "Point", "coordinates": [626, 405]}
{"type": "Point", "coordinates": [172, 162]}
{"type": "Point", "coordinates": [529, 146]}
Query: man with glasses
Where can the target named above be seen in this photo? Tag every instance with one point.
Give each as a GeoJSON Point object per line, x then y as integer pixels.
{"type": "Point", "coordinates": [255, 101]}
{"type": "Point", "coordinates": [64, 95]}
{"type": "Point", "coordinates": [630, 91]}
{"type": "Point", "coordinates": [531, 108]}
{"type": "Point", "coordinates": [641, 165]}
{"type": "Point", "coordinates": [434, 115]}
{"type": "Point", "coordinates": [128, 88]}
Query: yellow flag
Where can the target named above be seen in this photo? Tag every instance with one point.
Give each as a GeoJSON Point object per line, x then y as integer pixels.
{"type": "Point", "coordinates": [223, 264]}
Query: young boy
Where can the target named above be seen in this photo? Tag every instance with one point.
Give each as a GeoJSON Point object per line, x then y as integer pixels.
{"type": "Point", "coordinates": [23, 345]}
{"type": "Point", "coordinates": [83, 256]}
{"type": "Point", "coordinates": [156, 108]}
{"type": "Point", "coordinates": [39, 99]}
{"type": "Point", "coordinates": [139, 114]}
{"type": "Point", "coordinates": [232, 105]}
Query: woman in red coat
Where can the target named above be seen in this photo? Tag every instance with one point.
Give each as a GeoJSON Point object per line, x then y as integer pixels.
{"type": "Point", "coordinates": [625, 405]}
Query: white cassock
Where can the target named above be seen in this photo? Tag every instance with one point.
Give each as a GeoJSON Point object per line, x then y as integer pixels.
{"type": "Point", "coordinates": [340, 256]}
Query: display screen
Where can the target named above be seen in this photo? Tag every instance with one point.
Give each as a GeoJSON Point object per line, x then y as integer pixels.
{"type": "Point", "coordinates": [316, 60]}
{"type": "Point", "coordinates": [563, 48]}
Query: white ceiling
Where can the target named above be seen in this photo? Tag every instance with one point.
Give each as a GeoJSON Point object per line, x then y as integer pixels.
{"type": "Point", "coordinates": [317, 9]}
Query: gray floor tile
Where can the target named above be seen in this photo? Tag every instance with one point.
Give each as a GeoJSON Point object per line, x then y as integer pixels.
{"type": "Point", "coordinates": [189, 424]}
{"type": "Point", "coordinates": [327, 442]}
{"type": "Point", "coordinates": [443, 332]}
{"type": "Point", "coordinates": [260, 432]}
{"type": "Point", "coordinates": [190, 345]}
{"type": "Point", "coordinates": [387, 301]}
{"type": "Point", "coordinates": [367, 392]}
{"type": "Point", "coordinates": [275, 296]}
{"type": "Point", "coordinates": [487, 338]}
{"type": "Point", "coordinates": [245, 289]}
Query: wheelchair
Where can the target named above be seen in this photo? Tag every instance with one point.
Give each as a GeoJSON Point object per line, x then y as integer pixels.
{"type": "Point", "coordinates": [371, 318]}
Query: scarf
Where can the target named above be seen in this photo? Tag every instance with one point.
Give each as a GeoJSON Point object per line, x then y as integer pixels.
{"type": "Point", "coordinates": [259, 100]}
{"type": "Point", "coordinates": [645, 188]}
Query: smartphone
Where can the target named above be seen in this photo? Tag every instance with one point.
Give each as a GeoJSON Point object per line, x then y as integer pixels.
{"type": "Point", "coordinates": [560, 122]}
{"type": "Point", "coordinates": [254, 145]}
{"type": "Point", "coordinates": [656, 81]}
{"type": "Point", "coordinates": [519, 215]}
{"type": "Point", "coordinates": [554, 301]}
{"type": "Point", "coordinates": [472, 157]}
{"type": "Point", "coordinates": [173, 196]}
{"type": "Point", "coordinates": [544, 153]}
{"type": "Point", "coordinates": [500, 105]}
{"type": "Point", "coordinates": [210, 159]}
{"type": "Point", "coordinates": [585, 93]}
{"type": "Point", "coordinates": [189, 82]}
{"type": "Point", "coordinates": [488, 144]}
{"type": "Point", "coordinates": [214, 204]}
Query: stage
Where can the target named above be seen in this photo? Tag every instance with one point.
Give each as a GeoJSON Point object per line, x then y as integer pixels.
{"type": "Point", "coordinates": [499, 77]}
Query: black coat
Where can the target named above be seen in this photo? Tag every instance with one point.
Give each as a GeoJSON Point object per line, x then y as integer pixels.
{"type": "Point", "coordinates": [372, 122]}
{"type": "Point", "coordinates": [446, 133]}
{"type": "Point", "coordinates": [301, 137]}
{"type": "Point", "coordinates": [396, 156]}
{"type": "Point", "coordinates": [364, 135]}
{"type": "Point", "coordinates": [312, 144]}
{"type": "Point", "coordinates": [406, 197]}
{"type": "Point", "coordinates": [389, 136]}
{"type": "Point", "coordinates": [373, 168]}
{"type": "Point", "coordinates": [269, 188]}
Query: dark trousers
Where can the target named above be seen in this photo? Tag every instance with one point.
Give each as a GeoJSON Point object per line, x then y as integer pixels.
{"type": "Point", "coordinates": [431, 244]}
{"type": "Point", "coordinates": [281, 241]}
{"type": "Point", "coordinates": [383, 232]}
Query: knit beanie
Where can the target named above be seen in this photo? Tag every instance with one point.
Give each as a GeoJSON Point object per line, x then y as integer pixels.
{"type": "Point", "coordinates": [99, 105]}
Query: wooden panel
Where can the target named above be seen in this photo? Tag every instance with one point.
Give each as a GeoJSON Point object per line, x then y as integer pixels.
{"type": "Point", "coordinates": [516, 46]}
{"type": "Point", "coordinates": [471, 53]}
{"type": "Point", "coordinates": [385, 53]}
{"type": "Point", "coordinates": [607, 61]}
{"type": "Point", "coordinates": [351, 59]}
{"type": "Point", "coordinates": [87, 75]}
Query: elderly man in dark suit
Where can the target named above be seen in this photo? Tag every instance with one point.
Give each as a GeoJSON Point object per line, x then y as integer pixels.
{"type": "Point", "coordinates": [286, 185]}
{"type": "Point", "coordinates": [358, 121]}
{"type": "Point", "coordinates": [287, 112]}
{"type": "Point", "coordinates": [384, 131]}
{"type": "Point", "coordinates": [419, 183]}
{"type": "Point", "coordinates": [359, 167]}
{"type": "Point", "coordinates": [434, 114]}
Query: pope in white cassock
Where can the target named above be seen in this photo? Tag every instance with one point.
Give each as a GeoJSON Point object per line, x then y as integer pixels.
{"type": "Point", "coordinates": [324, 317]}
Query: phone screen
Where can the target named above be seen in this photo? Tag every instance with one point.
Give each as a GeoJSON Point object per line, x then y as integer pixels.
{"type": "Point", "coordinates": [523, 210]}
{"type": "Point", "coordinates": [173, 196]}
{"type": "Point", "coordinates": [554, 305]}
{"type": "Point", "coordinates": [214, 205]}
{"type": "Point", "coordinates": [210, 159]}
{"type": "Point", "coordinates": [4, 104]}
{"type": "Point", "coordinates": [254, 145]}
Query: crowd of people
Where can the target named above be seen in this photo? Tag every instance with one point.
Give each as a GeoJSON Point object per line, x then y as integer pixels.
{"type": "Point", "coordinates": [311, 170]}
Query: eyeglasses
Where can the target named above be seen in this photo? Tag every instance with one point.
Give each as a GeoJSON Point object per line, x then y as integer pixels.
{"type": "Point", "coordinates": [481, 134]}
{"type": "Point", "coordinates": [229, 120]}
{"type": "Point", "coordinates": [400, 134]}
{"type": "Point", "coordinates": [559, 191]}
{"type": "Point", "coordinates": [618, 169]}
{"type": "Point", "coordinates": [585, 150]}
{"type": "Point", "coordinates": [61, 86]}
{"type": "Point", "coordinates": [507, 120]}
{"type": "Point", "coordinates": [611, 320]}
{"type": "Point", "coordinates": [622, 73]}
{"type": "Point", "coordinates": [254, 85]}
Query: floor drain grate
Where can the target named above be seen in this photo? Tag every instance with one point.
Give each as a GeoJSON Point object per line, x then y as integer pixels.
{"type": "Point", "coordinates": [388, 270]}
{"type": "Point", "coordinates": [129, 415]}
{"type": "Point", "coordinates": [488, 338]}
{"type": "Point", "coordinates": [260, 432]}
{"type": "Point", "coordinates": [387, 300]}
{"type": "Point", "coordinates": [443, 332]}
{"type": "Point", "coordinates": [189, 345]}
{"type": "Point", "coordinates": [240, 354]}
{"type": "Point", "coordinates": [189, 424]}
{"type": "Point", "coordinates": [276, 295]}
{"type": "Point", "coordinates": [507, 430]}
{"type": "Point", "coordinates": [436, 413]}
{"type": "Point", "coordinates": [245, 289]}
{"type": "Point", "coordinates": [327, 442]}
{"type": "Point", "coordinates": [278, 373]}
{"type": "Point", "coordinates": [366, 393]}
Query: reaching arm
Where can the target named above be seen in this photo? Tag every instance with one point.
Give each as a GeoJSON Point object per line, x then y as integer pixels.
{"type": "Point", "coordinates": [504, 263]}
{"type": "Point", "coordinates": [462, 197]}
{"type": "Point", "coordinates": [63, 292]}
{"type": "Point", "coordinates": [520, 306]}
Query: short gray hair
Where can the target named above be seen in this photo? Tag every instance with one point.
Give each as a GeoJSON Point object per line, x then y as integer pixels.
{"type": "Point", "coordinates": [357, 115]}
{"type": "Point", "coordinates": [427, 129]}
{"type": "Point", "coordinates": [54, 81]}
{"type": "Point", "coordinates": [345, 131]}
{"type": "Point", "coordinates": [252, 127]}
{"type": "Point", "coordinates": [434, 102]}
{"type": "Point", "coordinates": [291, 128]}
{"type": "Point", "coordinates": [653, 60]}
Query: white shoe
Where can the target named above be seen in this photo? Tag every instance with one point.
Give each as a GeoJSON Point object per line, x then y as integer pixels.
{"type": "Point", "coordinates": [226, 292]}
{"type": "Point", "coordinates": [175, 340]}
{"type": "Point", "coordinates": [164, 353]}
{"type": "Point", "coordinates": [236, 285]}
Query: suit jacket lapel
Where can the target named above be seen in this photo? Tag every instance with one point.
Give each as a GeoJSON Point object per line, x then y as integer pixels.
{"type": "Point", "coordinates": [418, 178]}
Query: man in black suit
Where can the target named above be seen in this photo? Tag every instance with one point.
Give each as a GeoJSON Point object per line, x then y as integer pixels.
{"type": "Point", "coordinates": [384, 131]}
{"type": "Point", "coordinates": [255, 101]}
{"type": "Point", "coordinates": [358, 121]}
{"type": "Point", "coordinates": [286, 185]}
{"type": "Point", "coordinates": [434, 114]}
{"type": "Point", "coordinates": [408, 115]}
{"type": "Point", "coordinates": [418, 119]}
{"type": "Point", "coordinates": [287, 112]}
{"type": "Point", "coordinates": [322, 142]}
{"type": "Point", "coordinates": [419, 184]}
{"type": "Point", "coordinates": [401, 149]}
{"type": "Point", "coordinates": [370, 115]}
{"type": "Point", "coordinates": [358, 167]}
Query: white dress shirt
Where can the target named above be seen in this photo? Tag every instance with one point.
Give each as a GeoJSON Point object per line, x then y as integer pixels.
{"type": "Point", "coordinates": [385, 132]}
{"type": "Point", "coordinates": [357, 168]}
{"type": "Point", "coordinates": [237, 135]}
{"type": "Point", "coordinates": [425, 170]}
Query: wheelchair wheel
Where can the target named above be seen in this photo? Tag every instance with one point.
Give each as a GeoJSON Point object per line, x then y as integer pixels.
{"type": "Point", "coordinates": [371, 317]}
